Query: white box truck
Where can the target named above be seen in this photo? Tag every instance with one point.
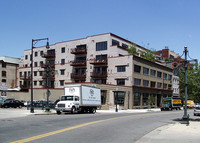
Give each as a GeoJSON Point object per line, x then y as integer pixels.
{"type": "Point", "coordinates": [79, 98]}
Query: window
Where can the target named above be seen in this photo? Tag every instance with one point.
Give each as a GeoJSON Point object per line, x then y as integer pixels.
{"type": "Point", "coordinates": [35, 64]}
{"type": "Point", "coordinates": [41, 53]}
{"type": "Point", "coordinates": [169, 86]}
{"type": "Point", "coordinates": [3, 73]}
{"type": "Point", "coordinates": [3, 80]}
{"type": "Point", "coordinates": [124, 45]}
{"type": "Point", "coordinates": [120, 81]}
{"type": "Point", "coordinates": [145, 99]}
{"type": "Point", "coordinates": [3, 65]}
{"type": "Point", "coordinates": [101, 46]}
{"type": "Point", "coordinates": [62, 72]}
{"type": "Point", "coordinates": [62, 61]}
{"type": "Point", "coordinates": [164, 76]}
{"type": "Point", "coordinates": [137, 99]}
{"type": "Point", "coordinates": [61, 82]}
{"type": "Point", "coordinates": [35, 73]}
{"type": "Point", "coordinates": [41, 73]}
{"type": "Point", "coordinates": [153, 84]}
{"type": "Point", "coordinates": [36, 54]}
{"type": "Point", "coordinates": [103, 81]}
{"type": "Point", "coordinates": [63, 50]}
{"type": "Point", "coordinates": [41, 63]}
{"type": "Point", "coordinates": [115, 42]}
{"type": "Point", "coordinates": [171, 57]}
{"type": "Point", "coordinates": [169, 77]}
{"type": "Point", "coordinates": [20, 74]}
{"type": "Point", "coordinates": [26, 57]}
{"type": "Point", "coordinates": [137, 81]}
{"type": "Point", "coordinates": [103, 97]}
{"type": "Point", "coordinates": [145, 83]}
{"type": "Point", "coordinates": [153, 72]}
{"type": "Point", "coordinates": [119, 97]}
{"type": "Point", "coordinates": [159, 74]}
{"type": "Point", "coordinates": [101, 57]}
{"type": "Point", "coordinates": [35, 83]}
{"type": "Point", "coordinates": [121, 68]}
{"type": "Point", "coordinates": [29, 73]}
{"type": "Point", "coordinates": [159, 85]}
{"type": "Point", "coordinates": [145, 71]}
{"type": "Point", "coordinates": [40, 82]}
{"type": "Point", "coordinates": [164, 85]}
{"type": "Point", "coordinates": [137, 68]}
{"type": "Point", "coordinates": [31, 57]}
{"type": "Point", "coordinates": [76, 98]}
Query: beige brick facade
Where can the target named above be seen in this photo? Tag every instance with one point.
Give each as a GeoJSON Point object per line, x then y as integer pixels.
{"type": "Point", "coordinates": [101, 61]}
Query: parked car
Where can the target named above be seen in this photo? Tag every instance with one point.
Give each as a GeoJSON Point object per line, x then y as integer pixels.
{"type": "Point", "coordinates": [197, 110]}
{"type": "Point", "coordinates": [12, 103]}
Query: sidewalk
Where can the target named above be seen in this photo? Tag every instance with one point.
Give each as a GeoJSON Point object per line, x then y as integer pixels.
{"type": "Point", "coordinates": [15, 113]}
{"type": "Point", "coordinates": [174, 133]}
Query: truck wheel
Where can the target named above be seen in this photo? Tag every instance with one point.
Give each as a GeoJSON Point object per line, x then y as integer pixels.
{"type": "Point", "coordinates": [73, 110]}
{"type": "Point", "coordinates": [58, 112]}
{"type": "Point", "coordinates": [93, 110]}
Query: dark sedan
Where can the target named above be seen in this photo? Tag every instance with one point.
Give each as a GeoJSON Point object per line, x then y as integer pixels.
{"type": "Point", "coordinates": [13, 104]}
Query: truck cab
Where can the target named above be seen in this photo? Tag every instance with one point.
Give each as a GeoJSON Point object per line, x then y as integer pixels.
{"type": "Point", "coordinates": [67, 103]}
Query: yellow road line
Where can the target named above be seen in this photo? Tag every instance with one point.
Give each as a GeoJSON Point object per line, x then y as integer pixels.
{"type": "Point", "coordinates": [74, 127]}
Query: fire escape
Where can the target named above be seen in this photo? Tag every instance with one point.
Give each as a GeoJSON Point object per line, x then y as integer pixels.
{"type": "Point", "coordinates": [79, 63]}
{"type": "Point", "coordinates": [99, 74]}
{"type": "Point", "coordinates": [49, 68]}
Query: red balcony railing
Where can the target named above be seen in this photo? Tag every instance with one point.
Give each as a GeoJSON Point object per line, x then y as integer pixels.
{"type": "Point", "coordinates": [79, 51]}
{"type": "Point", "coordinates": [50, 77]}
{"type": "Point", "coordinates": [25, 77]}
{"type": "Point", "coordinates": [45, 65]}
{"type": "Point", "coordinates": [78, 75]}
{"type": "Point", "coordinates": [49, 55]}
{"type": "Point", "coordinates": [78, 63]}
{"type": "Point", "coordinates": [99, 62]}
{"type": "Point", "coordinates": [99, 74]}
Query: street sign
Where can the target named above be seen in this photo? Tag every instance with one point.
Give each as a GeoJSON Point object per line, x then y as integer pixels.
{"type": "Point", "coordinates": [3, 86]}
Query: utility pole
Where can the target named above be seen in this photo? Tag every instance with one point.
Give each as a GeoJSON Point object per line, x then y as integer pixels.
{"type": "Point", "coordinates": [186, 116]}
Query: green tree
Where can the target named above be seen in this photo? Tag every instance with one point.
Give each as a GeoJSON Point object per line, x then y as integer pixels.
{"type": "Point", "coordinates": [149, 55]}
{"type": "Point", "coordinates": [133, 49]}
{"type": "Point", "coordinates": [193, 83]}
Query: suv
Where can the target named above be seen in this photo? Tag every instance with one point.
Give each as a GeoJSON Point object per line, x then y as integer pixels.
{"type": "Point", "coordinates": [12, 103]}
{"type": "Point", "coordinates": [196, 110]}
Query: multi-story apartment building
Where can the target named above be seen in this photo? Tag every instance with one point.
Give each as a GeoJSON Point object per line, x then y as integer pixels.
{"type": "Point", "coordinates": [167, 54]}
{"type": "Point", "coordinates": [168, 58]}
{"type": "Point", "coordinates": [8, 71]}
{"type": "Point", "coordinates": [102, 61]}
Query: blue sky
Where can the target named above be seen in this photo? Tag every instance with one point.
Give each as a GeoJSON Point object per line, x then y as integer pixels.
{"type": "Point", "coordinates": [153, 24]}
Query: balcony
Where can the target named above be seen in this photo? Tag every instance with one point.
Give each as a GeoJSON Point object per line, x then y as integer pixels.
{"type": "Point", "coordinates": [78, 75]}
{"type": "Point", "coordinates": [49, 55]}
{"type": "Point", "coordinates": [51, 86]}
{"type": "Point", "coordinates": [79, 51]}
{"type": "Point", "coordinates": [78, 63]}
{"type": "Point", "coordinates": [51, 77]}
{"type": "Point", "coordinates": [25, 77]}
{"type": "Point", "coordinates": [99, 62]}
{"type": "Point", "coordinates": [25, 86]}
{"type": "Point", "coordinates": [99, 74]}
{"type": "Point", "coordinates": [45, 65]}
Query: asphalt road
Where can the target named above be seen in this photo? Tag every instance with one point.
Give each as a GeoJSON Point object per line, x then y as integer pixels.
{"type": "Point", "coordinates": [84, 128]}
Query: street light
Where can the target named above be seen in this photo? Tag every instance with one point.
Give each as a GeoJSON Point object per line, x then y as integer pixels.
{"type": "Point", "coordinates": [34, 41]}
{"type": "Point", "coordinates": [186, 116]}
